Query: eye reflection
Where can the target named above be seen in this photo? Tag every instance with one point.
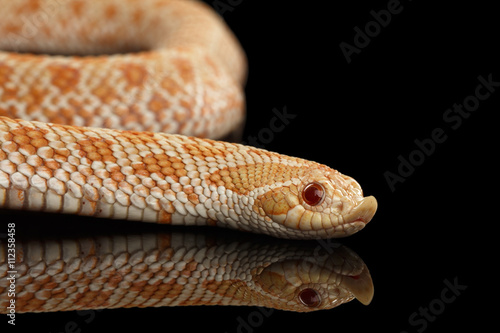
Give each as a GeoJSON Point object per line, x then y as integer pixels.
{"type": "Point", "coordinates": [313, 194]}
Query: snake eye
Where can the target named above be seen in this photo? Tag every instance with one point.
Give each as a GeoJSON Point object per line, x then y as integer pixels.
{"type": "Point", "coordinates": [309, 297]}
{"type": "Point", "coordinates": [313, 194]}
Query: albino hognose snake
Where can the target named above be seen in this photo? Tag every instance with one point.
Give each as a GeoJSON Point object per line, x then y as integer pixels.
{"type": "Point", "coordinates": [160, 66]}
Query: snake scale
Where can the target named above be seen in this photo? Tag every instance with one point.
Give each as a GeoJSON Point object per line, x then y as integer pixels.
{"type": "Point", "coordinates": [130, 269]}
{"type": "Point", "coordinates": [89, 91]}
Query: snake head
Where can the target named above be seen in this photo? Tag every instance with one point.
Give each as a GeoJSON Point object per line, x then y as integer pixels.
{"type": "Point", "coordinates": [315, 282]}
{"type": "Point", "coordinates": [319, 203]}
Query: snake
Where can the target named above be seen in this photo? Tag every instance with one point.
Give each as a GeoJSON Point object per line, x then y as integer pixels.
{"type": "Point", "coordinates": [116, 109]}
{"type": "Point", "coordinates": [109, 270]}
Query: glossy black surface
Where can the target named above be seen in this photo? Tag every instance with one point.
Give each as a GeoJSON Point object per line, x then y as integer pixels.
{"type": "Point", "coordinates": [383, 119]}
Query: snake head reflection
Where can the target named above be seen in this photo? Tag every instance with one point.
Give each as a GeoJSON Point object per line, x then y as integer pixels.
{"type": "Point", "coordinates": [321, 203]}
{"type": "Point", "coordinates": [315, 282]}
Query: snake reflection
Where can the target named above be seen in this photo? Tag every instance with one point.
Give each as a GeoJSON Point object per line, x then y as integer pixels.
{"type": "Point", "coordinates": [130, 269]}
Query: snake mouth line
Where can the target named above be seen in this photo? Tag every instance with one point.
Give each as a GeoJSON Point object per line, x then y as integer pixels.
{"type": "Point", "coordinates": [363, 212]}
{"type": "Point", "coordinates": [341, 226]}
{"type": "Point", "coordinates": [358, 218]}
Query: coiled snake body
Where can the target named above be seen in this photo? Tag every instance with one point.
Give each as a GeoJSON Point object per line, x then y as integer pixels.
{"type": "Point", "coordinates": [192, 73]}
{"type": "Point", "coordinates": [146, 68]}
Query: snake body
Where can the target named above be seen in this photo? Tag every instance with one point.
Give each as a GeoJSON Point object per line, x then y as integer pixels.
{"type": "Point", "coordinates": [154, 65]}
{"type": "Point", "coordinates": [175, 67]}
{"type": "Point", "coordinates": [177, 269]}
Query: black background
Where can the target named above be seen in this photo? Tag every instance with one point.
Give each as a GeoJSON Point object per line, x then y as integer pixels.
{"type": "Point", "coordinates": [358, 118]}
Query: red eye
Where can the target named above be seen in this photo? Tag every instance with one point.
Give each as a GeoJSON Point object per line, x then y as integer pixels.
{"type": "Point", "coordinates": [310, 297]}
{"type": "Point", "coordinates": [313, 194]}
